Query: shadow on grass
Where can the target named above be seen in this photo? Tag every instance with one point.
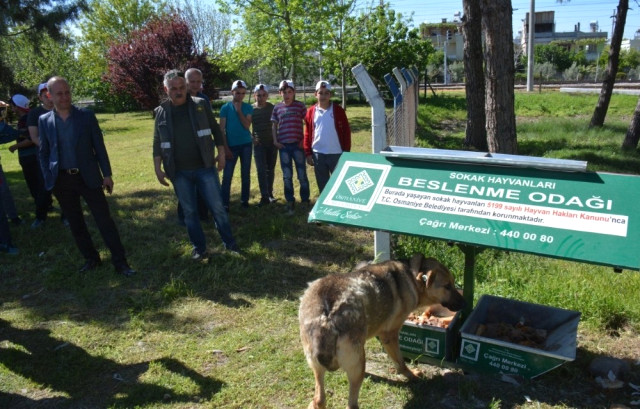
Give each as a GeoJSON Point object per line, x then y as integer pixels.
{"type": "Point", "coordinates": [282, 254]}
{"type": "Point", "coordinates": [87, 380]}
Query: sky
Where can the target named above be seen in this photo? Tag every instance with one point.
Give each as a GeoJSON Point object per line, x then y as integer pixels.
{"type": "Point", "coordinates": [567, 14]}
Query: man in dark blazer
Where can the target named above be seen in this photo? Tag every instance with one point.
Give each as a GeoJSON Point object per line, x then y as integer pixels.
{"type": "Point", "coordinates": [75, 164]}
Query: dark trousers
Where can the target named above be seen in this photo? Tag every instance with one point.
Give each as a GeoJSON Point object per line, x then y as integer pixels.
{"type": "Point", "coordinates": [266, 158]}
{"type": "Point", "coordinates": [5, 233]}
{"type": "Point", "coordinates": [68, 190]}
{"type": "Point", "coordinates": [35, 183]}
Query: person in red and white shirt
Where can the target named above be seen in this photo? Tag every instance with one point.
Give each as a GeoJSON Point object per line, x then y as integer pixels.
{"type": "Point", "coordinates": [327, 134]}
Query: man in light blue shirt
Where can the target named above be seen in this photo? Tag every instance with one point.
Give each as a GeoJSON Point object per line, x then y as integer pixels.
{"type": "Point", "coordinates": [235, 121]}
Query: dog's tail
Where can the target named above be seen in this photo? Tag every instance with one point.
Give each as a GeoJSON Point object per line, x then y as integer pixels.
{"type": "Point", "coordinates": [324, 337]}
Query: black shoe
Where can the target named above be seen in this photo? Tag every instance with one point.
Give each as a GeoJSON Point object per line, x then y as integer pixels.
{"type": "Point", "coordinates": [244, 205]}
{"type": "Point", "coordinates": [198, 255]}
{"type": "Point", "coordinates": [264, 201]}
{"type": "Point", "coordinates": [125, 270]}
{"type": "Point", "coordinates": [290, 208]}
{"type": "Point", "coordinates": [89, 265]}
{"type": "Point", "coordinates": [17, 221]}
{"type": "Point", "coordinates": [234, 249]}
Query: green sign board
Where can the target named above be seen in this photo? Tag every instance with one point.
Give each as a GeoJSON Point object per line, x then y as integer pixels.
{"type": "Point", "coordinates": [582, 216]}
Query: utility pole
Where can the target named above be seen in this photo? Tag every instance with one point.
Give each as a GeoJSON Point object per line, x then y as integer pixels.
{"type": "Point", "coordinates": [530, 46]}
{"type": "Point", "coordinates": [446, 68]}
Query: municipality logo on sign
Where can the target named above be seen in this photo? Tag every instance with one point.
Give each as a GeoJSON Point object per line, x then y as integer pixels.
{"type": "Point", "coordinates": [359, 182]}
{"type": "Point", "coordinates": [469, 350]}
{"type": "Point", "coordinates": [432, 346]}
{"type": "Point", "coordinates": [358, 185]}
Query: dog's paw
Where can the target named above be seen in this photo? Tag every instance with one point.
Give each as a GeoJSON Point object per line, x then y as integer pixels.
{"type": "Point", "coordinates": [415, 374]}
{"type": "Point", "coordinates": [412, 374]}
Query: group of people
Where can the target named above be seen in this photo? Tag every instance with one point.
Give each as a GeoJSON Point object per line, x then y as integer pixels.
{"type": "Point", "coordinates": [25, 142]}
{"type": "Point", "coordinates": [190, 148]}
{"type": "Point", "coordinates": [67, 155]}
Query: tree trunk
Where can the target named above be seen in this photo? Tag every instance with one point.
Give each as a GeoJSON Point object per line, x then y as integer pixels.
{"type": "Point", "coordinates": [612, 67]}
{"type": "Point", "coordinates": [499, 76]}
{"type": "Point", "coordinates": [633, 133]}
{"type": "Point", "coordinates": [475, 134]}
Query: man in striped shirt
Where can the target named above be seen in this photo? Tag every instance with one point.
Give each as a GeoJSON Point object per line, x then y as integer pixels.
{"type": "Point", "coordinates": [287, 129]}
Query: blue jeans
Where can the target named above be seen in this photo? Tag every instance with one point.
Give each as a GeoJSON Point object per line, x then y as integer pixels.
{"type": "Point", "coordinates": [244, 153]}
{"type": "Point", "coordinates": [265, 157]}
{"type": "Point", "coordinates": [206, 181]}
{"type": "Point", "coordinates": [323, 165]}
{"type": "Point", "coordinates": [287, 153]}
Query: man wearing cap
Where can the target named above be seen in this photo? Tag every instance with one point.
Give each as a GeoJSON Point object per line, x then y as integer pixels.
{"type": "Point", "coordinates": [75, 164]}
{"type": "Point", "coordinates": [28, 158]}
{"type": "Point", "coordinates": [326, 134]}
{"type": "Point", "coordinates": [184, 152]}
{"type": "Point", "coordinates": [235, 122]}
{"type": "Point", "coordinates": [264, 152]}
{"type": "Point", "coordinates": [45, 106]}
{"type": "Point", "coordinates": [287, 130]}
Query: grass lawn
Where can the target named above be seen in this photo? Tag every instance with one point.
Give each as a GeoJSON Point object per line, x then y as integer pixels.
{"type": "Point", "coordinates": [224, 333]}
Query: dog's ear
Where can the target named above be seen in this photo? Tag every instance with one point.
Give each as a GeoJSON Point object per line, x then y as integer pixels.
{"type": "Point", "coordinates": [426, 279]}
{"type": "Point", "coordinates": [416, 263]}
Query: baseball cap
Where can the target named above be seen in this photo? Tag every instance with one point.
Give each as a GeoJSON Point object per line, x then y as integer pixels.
{"type": "Point", "coordinates": [284, 84]}
{"type": "Point", "coordinates": [323, 84]}
{"type": "Point", "coordinates": [260, 87]}
{"type": "Point", "coordinates": [238, 84]}
{"type": "Point", "coordinates": [20, 101]}
{"type": "Point", "coordinates": [42, 87]}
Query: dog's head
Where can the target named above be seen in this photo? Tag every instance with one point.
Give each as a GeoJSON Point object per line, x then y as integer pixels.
{"type": "Point", "coordinates": [435, 283]}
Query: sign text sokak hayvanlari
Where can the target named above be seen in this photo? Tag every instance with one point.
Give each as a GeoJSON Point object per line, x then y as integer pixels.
{"type": "Point", "coordinates": [594, 202]}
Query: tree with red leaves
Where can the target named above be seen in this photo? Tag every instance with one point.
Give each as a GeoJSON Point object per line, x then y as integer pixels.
{"type": "Point", "coordinates": [136, 66]}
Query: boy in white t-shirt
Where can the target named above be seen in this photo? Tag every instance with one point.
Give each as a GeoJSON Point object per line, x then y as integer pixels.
{"type": "Point", "coordinates": [327, 134]}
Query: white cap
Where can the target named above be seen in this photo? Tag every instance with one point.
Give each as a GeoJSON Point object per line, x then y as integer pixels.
{"type": "Point", "coordinates": [42, 87]}
{"type": "Point", "coordinates": [261, 87]}
{"type": "Point", "coordinates": [323, 84]}
{"type": "Point", "coordinates": [20, 101]}
{"type": "Point", "coordinates": [238, 84]}
{"type": "Point", "coordinates": [284, 84]}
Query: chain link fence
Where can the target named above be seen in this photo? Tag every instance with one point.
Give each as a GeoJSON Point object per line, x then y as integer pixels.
{"type": "Point", "coordinates": [396, 128]}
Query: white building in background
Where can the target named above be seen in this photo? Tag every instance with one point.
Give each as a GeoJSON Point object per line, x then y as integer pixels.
{"type": "Point", "coordinates": [631, 44]}
{"type": "Point", "coordinates": [591, 41]}
{"type": "Point", "coordinates": [445, 36]}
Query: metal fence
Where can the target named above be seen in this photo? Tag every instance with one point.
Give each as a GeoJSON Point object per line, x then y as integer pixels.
{"type": "Point", "coordinates": [395, 128]}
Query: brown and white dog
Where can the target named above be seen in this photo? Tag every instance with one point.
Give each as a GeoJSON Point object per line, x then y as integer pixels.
{"type": "Point", "coordinates": [339, 312]}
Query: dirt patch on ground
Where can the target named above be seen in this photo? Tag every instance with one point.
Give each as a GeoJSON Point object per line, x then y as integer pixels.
{"type": "Point", "coordinates": [569, 386]}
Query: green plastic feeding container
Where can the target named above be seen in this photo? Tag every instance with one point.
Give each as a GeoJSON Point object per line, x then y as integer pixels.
{"type": "Point", "coordinates": [487, 354]}
{"type": "Point", "coordinates": [427, 343]}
